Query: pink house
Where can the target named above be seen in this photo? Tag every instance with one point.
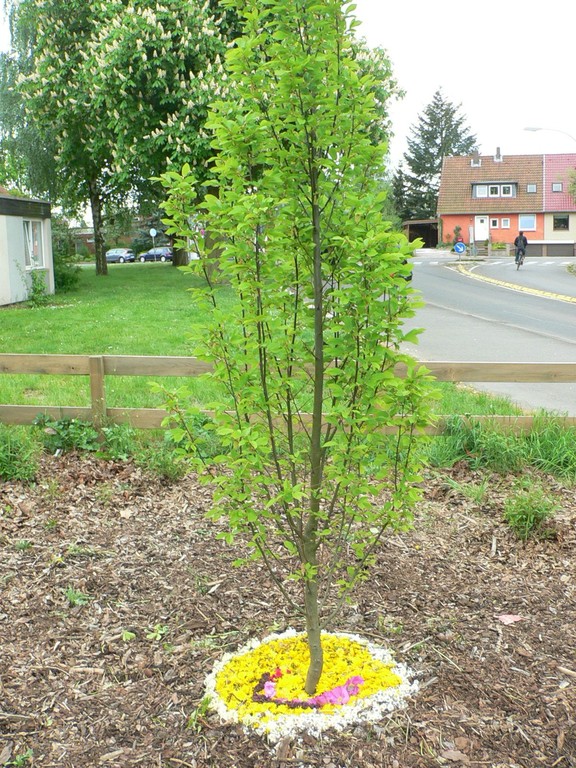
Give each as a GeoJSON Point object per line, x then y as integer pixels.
{"type": "Point", "coordinates": [491, 198]}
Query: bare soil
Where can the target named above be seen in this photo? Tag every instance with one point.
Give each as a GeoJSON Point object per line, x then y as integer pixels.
{"type": "Point", "coordinates": [77, 692]}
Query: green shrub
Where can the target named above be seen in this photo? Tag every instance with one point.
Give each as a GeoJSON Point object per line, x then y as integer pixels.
{"type": "Point", "coordinates": [67, 434]}
{"type": "Point", "coordinates": [528, 510]}
{"type": "Point", "coordinates": [66, 273]}
{"type": "Point", "coordinates": [18, 455]}
{"type": "Point", "coordinates": [119, 442]}
{"type": "Point", "coordinates": [37, 292]}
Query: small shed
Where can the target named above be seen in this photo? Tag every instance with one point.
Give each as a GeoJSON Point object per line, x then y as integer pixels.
{"type": "Point", "coordinates": [426, 229]}
{"type": "Point", "coordinates": [25, 246]}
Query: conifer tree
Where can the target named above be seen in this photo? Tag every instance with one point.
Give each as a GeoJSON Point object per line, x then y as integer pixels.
{"type": "Point", "coordinates": [441, 132]}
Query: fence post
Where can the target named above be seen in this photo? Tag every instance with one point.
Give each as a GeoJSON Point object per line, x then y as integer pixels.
{"type": "Point", "coordinates": [97, 391]}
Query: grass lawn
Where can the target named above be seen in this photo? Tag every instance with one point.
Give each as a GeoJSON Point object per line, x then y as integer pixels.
{"type": "Point", "coordinates": [137, 309]}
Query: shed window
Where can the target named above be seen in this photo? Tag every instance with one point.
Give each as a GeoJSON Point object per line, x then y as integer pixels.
{"type": "Point", "coordinates": [33, 246]}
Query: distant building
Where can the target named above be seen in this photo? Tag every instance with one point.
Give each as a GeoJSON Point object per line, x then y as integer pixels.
{"type": "Point", "coordinates": [492, 198]}
{"type": "Point", "coordinates": [25, 246]}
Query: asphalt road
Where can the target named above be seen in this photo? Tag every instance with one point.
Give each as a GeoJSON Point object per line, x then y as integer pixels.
{"type": "Point", "coordinates": [490, 312]}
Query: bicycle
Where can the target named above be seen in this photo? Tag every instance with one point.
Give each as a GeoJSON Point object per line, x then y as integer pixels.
{"type": "Point", "coordinates": [520, 257]}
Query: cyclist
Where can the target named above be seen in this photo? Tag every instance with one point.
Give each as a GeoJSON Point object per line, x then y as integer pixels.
{"type": "Point", "coordinates": [520, 242]}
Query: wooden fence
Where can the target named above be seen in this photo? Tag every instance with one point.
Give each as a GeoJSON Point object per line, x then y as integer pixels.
{"type": "Point", "coordinates": [97, 367]}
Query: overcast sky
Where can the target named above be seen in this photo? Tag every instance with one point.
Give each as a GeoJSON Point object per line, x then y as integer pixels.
{"type": "Point", "coordinates": [508, 63]}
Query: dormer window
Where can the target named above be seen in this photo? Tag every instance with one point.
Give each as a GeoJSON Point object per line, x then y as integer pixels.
{"type": "Point", "coordinates": [476, 162]}
{"type": "Point", "coordinates": [493, 190]}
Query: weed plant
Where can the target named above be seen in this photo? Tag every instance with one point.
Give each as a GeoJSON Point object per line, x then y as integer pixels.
{"type": "Point", "coordinates": [66, 434]}
{"type": "Point", "coordinates": [528, 510]}
{"type": "Point", "coordinates": [19, 454]}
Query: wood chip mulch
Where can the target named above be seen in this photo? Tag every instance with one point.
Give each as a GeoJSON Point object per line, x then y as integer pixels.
{"type": "Point", "coordinates": [117, 679]}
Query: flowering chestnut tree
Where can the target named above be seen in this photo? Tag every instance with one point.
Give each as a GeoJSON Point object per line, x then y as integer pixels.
{"type": "Point", "coordinates": [120, 90]}
{"type": "Point", "coordinates": [308, 347]}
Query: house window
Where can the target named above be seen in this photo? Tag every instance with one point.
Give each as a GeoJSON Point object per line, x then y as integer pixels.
{"type": "Point", "coordinates": [561, 221]}
{"type": "Point", "coordinates": [556, 186]}
{"type": "Point", "coordinates": [505, 224]}
{"type": "Point", "coordinates": [494, 223]}
{"type": "Point", "coordinates": [493, 190]}
{"type": "Point", "coordinates": [531, 188]}
{"type": "Point", "coordinates": [527, 222]}
{"type": "Point", "coordinates": [33, 247]}
{"type": "Point", "coordinates": [476, 162]}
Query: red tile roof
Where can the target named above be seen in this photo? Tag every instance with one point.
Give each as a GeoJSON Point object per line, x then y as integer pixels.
{"type": "Point", "coordinates": [458, 175]}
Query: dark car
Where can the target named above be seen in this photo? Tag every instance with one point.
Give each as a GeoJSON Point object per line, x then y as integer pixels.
{"type": "Point", "coordinates": [160, 253]}
{"type": "Point", "coordinates": [120, 255]}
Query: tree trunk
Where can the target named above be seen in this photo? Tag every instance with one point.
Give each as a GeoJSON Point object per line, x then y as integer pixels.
{"type": "Point", "coordinates": [311, 528]}
{"type": "Point", "coordinates": [97, 223]}
{"type": "Point", "coordinates": [180, 257]}
{"type": "Point", "coordinates": [312, 623]}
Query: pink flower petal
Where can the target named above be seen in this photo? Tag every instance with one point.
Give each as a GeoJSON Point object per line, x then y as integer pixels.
{"type": "Point", "coordinates": [509, 618]}
{"type": "Point", "coordinates": [269, 689]}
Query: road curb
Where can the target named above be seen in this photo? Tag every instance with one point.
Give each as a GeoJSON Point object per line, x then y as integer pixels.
{"type": "Point", "coordinates": [514, 287]}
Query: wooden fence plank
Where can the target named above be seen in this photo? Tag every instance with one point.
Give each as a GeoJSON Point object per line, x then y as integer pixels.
{"type": "Point", "coordinates": [136, 365]}
{"type": "Point", "coordinates": [51, 364]}
{"type": "Point", "coordinates": [99, 366]}
{"type": "Point", "coordinates": [97, 391]}
{"type": "Point", "coordinates": [552, 373]}
{"type": "Point", "coordinates": [25, 414]}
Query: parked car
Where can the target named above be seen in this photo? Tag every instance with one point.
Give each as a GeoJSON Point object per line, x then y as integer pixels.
{"type": "Point", "coordinates": [160, 253]}
{"type": "Point", "coordinates": [120, 255]}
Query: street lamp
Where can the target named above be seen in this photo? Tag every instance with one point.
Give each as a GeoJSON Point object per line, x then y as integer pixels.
{"type": "Point", "coordinates": [556, 130]}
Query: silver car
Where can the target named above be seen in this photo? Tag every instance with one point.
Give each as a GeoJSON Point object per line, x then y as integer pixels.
{"type": "Point", "coordinates": [120, 255]}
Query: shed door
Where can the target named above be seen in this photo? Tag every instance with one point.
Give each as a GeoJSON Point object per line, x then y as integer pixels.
{"type": "Point", "coordinates": [481, 228]}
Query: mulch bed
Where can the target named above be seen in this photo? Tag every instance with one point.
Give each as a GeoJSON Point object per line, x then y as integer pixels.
{"type": "Point", "coordinates": [77, 692]}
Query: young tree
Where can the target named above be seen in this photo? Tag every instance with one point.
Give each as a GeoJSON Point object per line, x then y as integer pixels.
{"type": "Point", "coordinates": [308, 346]}
{"type": "Point", "coordinates": [440, 132]}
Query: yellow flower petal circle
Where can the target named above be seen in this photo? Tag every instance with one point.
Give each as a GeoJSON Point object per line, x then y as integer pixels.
{"type": "Point", "coordinates": [232, 683]}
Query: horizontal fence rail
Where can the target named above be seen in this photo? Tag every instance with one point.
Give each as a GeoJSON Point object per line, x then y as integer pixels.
{"type": "Point", "coordinates": [97, 367]}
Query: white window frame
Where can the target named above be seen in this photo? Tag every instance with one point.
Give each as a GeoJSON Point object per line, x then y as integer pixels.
{"type": "Point", "coordinates": [527, 222]}
{"type": "Point", "coordinates": [531, 189]}
{"type": "Point", "coordinates": [491, 193]}
{"type": "Point", "coordinates": [494, 223]}
{"type": "Point", "coordinates": [481, 190]}
{"type": "Point", "coordinates": [556, 186]}
{"type": "Point", "coordinates": [510, 188]}
{"type": "Point", "coordinates": [505, 224]}
{"type": "Point", "coordinates": [33, 243]}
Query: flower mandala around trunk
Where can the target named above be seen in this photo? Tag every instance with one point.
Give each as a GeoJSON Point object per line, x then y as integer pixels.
{"type": "Point", "coordinates": [261, 686]}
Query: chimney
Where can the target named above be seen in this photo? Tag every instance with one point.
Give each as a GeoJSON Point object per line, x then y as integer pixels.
{"type": "Point", "coordinates": [497, 156]}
